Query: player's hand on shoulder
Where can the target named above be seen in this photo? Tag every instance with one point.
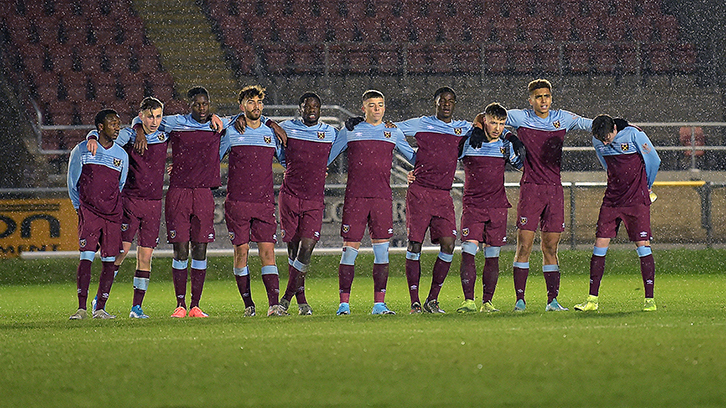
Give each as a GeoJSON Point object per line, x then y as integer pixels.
{"type": "Point", "coordinates": [140, 145]}
{"type": "Point", "coordinates": [477, 137]}
{"type": "Point", "coordinates": [240, 124]}
{"type": "Point", "coordinates": [92, 146]}
{"type": "Point", "coordinates": [479, 121]}
{"type": "Point", "coordinates": [517, 145]}
{"type": "Point", "coordinates": [215, 123]}
{"type": "Point", "coordinates": [280, 133]}
{"type": "Point", "coordinates": [350, 123]}
{"type": "Point", "coordinates": [169, 167]}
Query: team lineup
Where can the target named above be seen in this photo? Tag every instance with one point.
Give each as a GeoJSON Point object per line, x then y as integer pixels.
{"type": "Point", "coordinates": [116, 176]}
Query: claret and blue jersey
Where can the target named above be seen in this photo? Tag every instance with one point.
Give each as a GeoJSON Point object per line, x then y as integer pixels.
{"type": "Point", "coordinates": [632, 165]}
{"type": "Point", "coordinates": [543, 138]}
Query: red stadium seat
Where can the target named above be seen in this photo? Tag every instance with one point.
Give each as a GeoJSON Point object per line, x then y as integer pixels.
{"type": "Point", "coordinates": [276, 59]}
{"type": "Point", "coordinates": [659, 58]}
{"type": "Point", "coordinates": [495, 58]}
{"type": "Point", "coordinates": [604, 58]}
{"type": "Point", "coordinates": [641, 28]}
{"type": "Point", "coordinates": [307, 59]}
{"type": "Point", "coordinates": [578, 58]}
{"type": "Point", "coordinates": [685, 58]}
{"type": "Point", "coordinates": [388, 60]}
{"type": "Point", "coordinates": [629, 60]}
{"type": "Point", "coordinates": [442, 59]}
{"type": "Point", "coordinates": [505, 30]}
{"type": "Point", "coordinates": [667, 26]}
{"type": "Point", "coordinates": [359, 61]}
{"type": "Point", "coordinates": [468, 59]}
{"type": "Point", "coordinates": [481, 29]}
{"type": "Point", "coordinates": [416, 59]}
{"type": "Point", "coordinates": [615, 29]}
{"type": "Point", "coordinates": [521, 58]}
{"type": "Point", "coordinates": [586, 29]}
{"type": "Point", "coordinates": [560, 29]}
{"type": "Point", "coordinates": [549, 57]}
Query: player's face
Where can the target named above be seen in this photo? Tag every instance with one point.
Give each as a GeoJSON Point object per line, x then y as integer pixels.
{"type": "Point", "coordinates": [373, 109]}
{"type": "Point", "coordinates": [541, 100]}
{"type": "Point", "coordinates": [200, 108]}
{"type": "Point", "coordinates": [252, 107]}
{"type": "Point", "coordinates": [151, 119]}
{"type": "Point", "coordinates": [108, 130]}
{"type": "Point", "coordinates": [610, 136]}
{"type": "Point", "coordinates": [445, 105]}
{"type": "Point", "coordinates": [310, 111]}
{"type": "Point", "coordinates": [493, 127]}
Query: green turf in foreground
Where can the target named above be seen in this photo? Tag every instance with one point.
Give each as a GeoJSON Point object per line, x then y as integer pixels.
{"type": "Point", "coordinates": [618, 356]}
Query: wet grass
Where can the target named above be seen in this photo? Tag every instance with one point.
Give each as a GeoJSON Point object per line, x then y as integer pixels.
{"type": "Point", "coordinates": [618, 356]}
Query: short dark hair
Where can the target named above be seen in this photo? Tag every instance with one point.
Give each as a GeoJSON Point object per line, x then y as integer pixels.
{"type": "Point", "coordinates": [101, 116]}
{"type": "Point", "coordinates": [150, 103]}
{"type": "Point", "coordinates": [197, 90]}
{"type": "Point", "coordinates": [539, 84]}
{"type": "Point", "coordinates": [496, 110]}
{"type": "Point", "coordinates": [372, 93]}
{"type": "Point", "coordinates": [307, 95]}
{"type": "Point", "coordinates": [602, 125]}
{"type": "Point", "coordinates": [444, 89]}
{"type": "Point", "coordinates": [251, 91]}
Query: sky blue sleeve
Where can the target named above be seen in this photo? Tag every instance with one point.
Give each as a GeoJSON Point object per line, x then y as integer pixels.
{"type": "Point", "coordinates": [404, 148]}
{"type": "Point", "coordinates": [339, 145]}
{"type": "Point", "coordinates": [93, 134]}
{"type": "Point", "coordinates": [598, 153]}
{"type": "Point", "coordinates": [578, 122]}
{"type": "Point", "coordinates": [124, 171]}
{"type": "Point", "coordinates": [409, 127]}
{"type": "Point", "coordinates": [168, 123]}
{"type": "Point", "coordinates": [650, 156]}
{"type": "Point", "coordinates": [515, 118]}
{"type": "Point", "coordinates": [224, 145]}
{"type": "Point", "coordinates": [74, 173]}
{"type": "Point", "coordinates": [125, 136]}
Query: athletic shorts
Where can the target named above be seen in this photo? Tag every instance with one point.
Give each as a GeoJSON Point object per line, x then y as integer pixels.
{"type": "Point", "coordinates": [429, 208]}
{"type": "Point", "coordinates": [635, 218]}
{"type": "Point", "coordinates": [300, 218]}
{"type": "Point", "coordinates": [144, 217]}
{"type": "Point", "coordinates": [189, 215]}
{"type": "Point", "coordinates": [542, 205]}
{"type": "Point", "coordinates": [376, 213]}
{"type": "Point", "coordinates": [488, 225]}
{"type": "Point", "coordinates": [250, 222]}
{"type": "Point", "coordinates": [95, 232]}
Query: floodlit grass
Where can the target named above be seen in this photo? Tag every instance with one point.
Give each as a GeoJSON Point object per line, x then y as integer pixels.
{"type": "Point", "coordinates": [618, 356]}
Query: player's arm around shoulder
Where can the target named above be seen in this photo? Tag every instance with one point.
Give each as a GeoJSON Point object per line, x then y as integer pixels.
{"type": "Point", "coordinates": [403, 146]}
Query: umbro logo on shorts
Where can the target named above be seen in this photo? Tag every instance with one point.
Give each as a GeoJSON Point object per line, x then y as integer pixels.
{"type": "Point", "coordinates": [643, 234]}
{"type": "Point", "coordinates": [390, 230]}
{"type": "Point", "coordinates": [453, 232]}
{"type": "Point", "coordinates": [210, 236]}
{"type": "Point", "coordinates": [282, 233]}
{"type": "Point", "coordinates": [317, 234]}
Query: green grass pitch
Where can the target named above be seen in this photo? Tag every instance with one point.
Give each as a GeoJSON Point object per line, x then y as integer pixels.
{"type": "Point", "coordinates": [616, 357]}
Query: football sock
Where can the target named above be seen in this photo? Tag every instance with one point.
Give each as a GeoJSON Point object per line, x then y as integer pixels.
{"type": "Point", "coordinates": [242, 277]}
{"type": "Point", "coordinates": [271, 279]}
{"type": "Point", "coordinates": [552, 280]}
{"type": "Point", "coordinates": [380, 279]}
{"type": "Point", "coordinates": [198, 274]}
{"type": "Point", "coordinates": [520, 271]}
{"type": "Point", "coordinates": [292, 273]}
{"type": "Point", "coordinates": [441, 269]}
{"type": "Point", "coordinates": [413, 274]}
{"type": "Point", "coordinates": [83, 281]}
{"type": "Point", "coordinates": [468, 274]}
{"type": "Point", "coordinates": [179, 275]}
{"type": "Point", "coordinates": [346, 272]}
{"type": "Point", "coordinates": [141, 283]}
{"type": "Point", "coordinates": [302, 270]}
{"type": "Point", "coordinates": [597, 268]}
{"type": "Point", "coordinates": [104, 284]}
{"type": "Point", "coordinates": [647, 269]}
{"type": "Point", "coordinates": [490, 275]}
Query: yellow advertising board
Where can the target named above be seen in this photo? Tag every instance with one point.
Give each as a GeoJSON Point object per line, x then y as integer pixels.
{"type": "Point", "coordinates": [37, 225]}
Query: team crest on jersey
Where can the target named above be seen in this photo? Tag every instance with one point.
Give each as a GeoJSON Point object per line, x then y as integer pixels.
{"type": "Point", "coordinates": [124, 227]}
{"type": "Point", "coordinates": [161, 137]}
{"type": "Point", "coordinates": [502, 150]}
{"type": "Point", "coordinates": [117, 162]}
{"type": "Point", "coordinates": [465, 232]}
{"type": "Point", "coordinates": [268, 139]}
{"type": "Point", "coordinates": [231, 235]}
{"type": "Point", "coordinates": [387, 135]}
{"type": "Point", "coordinates": [346, 228]}
{"type": "Point", "coordinates": [82, 243]}
{"type": "Point", "coordinates": [523, 220]}
{"type": "Point", "coordinates": [321, 135]}
{"type": "Point", "coordinates": [556, 124]}
{"type": "Point", "coordinates": [458, 131]}
{"type": "Point", "coordinates": [172, 234]}
{"type": "Point", "coordinates": [624, 147]}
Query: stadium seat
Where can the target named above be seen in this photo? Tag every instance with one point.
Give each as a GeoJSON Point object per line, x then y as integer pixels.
{"type": "Point", "coordinates": [560, 29]}
{"type": "Point", "coordinates": [521, 57]}
{"type": "Point", "coordinates": [684, 58]}
{"type": "Point", "coordinates": [387, 60]}
{"type": "Point", "coordinates": [641, 28]}
{"type": "Point", "coordinates": [442, 59]}
{"type": "Point", "coordinates": [615, 29]}
{"type": "Point", "coordinates": [505, 30]}
{"type": "Point", "coordinates": [359, 61]}
{"type": "Point", "coordinates": [480, 29]}
{"type": "Point", "coordinates": [548, 55]}
{"type": "Point", "coordinates": [578, 58]}
{"type": "Point", "coordinates": [667, 26]}
{"type": "Point", "coordinates": [307, 59]}
{"type": "Point", "coordinates": [467, 59]}
{"type": "Point", "coordinates": [658, 57]}
{"type": "Point", "coordinates": [417, 59]}
{"type": "Point", "coordinates": [604, 58]}
{"type": "Point", "coordinates": [276, 59]}
{"type": "Point", "coordinates": [629, 61]}
{"type": "Point", "coordinates": [586, 29]}
{"type": "Point", "coordinates": [495, 58]}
